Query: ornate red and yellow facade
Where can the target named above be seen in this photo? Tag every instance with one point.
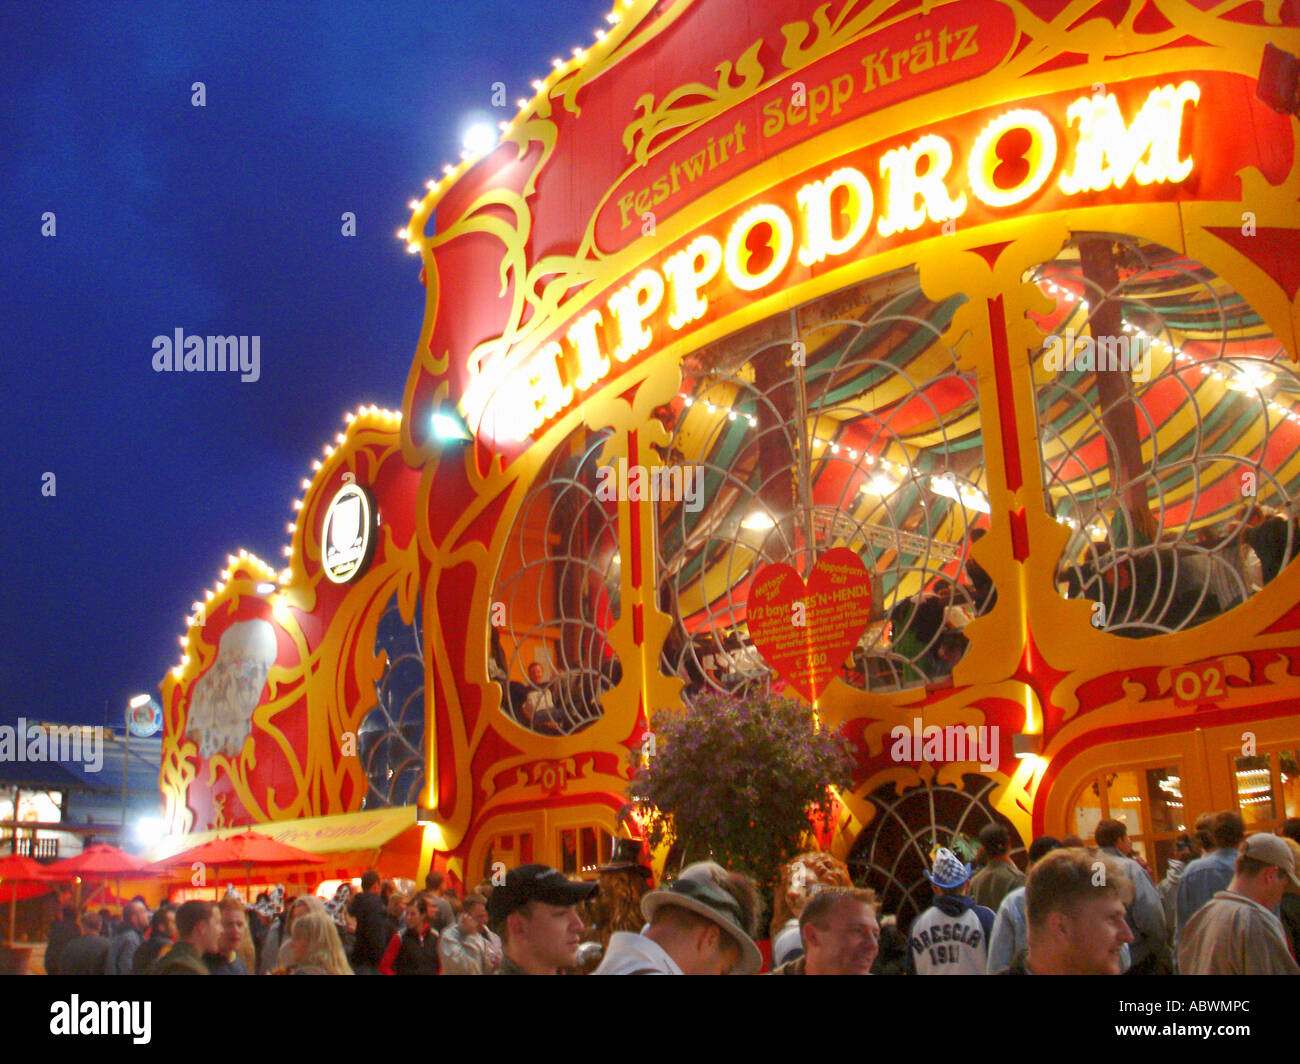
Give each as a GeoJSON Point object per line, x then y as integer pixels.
{"type": "Point", "coordinates": [818, 261]}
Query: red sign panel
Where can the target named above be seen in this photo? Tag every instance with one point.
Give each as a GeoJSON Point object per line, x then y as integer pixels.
{"type": "Point", "coordinates": [805, 631]}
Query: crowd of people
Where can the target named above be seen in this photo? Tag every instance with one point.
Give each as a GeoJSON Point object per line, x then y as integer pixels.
{"type": "Point", "coordinates": [1228, 905]}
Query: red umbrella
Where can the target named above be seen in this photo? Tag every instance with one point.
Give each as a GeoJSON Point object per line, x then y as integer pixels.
{"type": "Point", "coordinates": [102, 861]}
{"type": "Point", "coordinates": [247, 848]}
{"type": "Point", "coordinates": [14, 871]}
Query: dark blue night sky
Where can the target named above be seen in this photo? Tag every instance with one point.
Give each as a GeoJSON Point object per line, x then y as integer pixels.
{"type": "Point", "coordinates": [223, 219]}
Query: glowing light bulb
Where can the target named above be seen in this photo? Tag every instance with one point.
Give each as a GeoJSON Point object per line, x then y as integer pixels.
{"type": "Point", "coordinates": [479, 139]}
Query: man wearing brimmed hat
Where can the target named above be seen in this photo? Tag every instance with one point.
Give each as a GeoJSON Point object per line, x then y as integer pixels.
{"type": "Point", "coordinates": [700, 924]}
{"type": "Point", "coordinates": [1236, 931]}
{"type": "Point", "coordinates": [535, 911]}
{"type": "Point", "coordinates": [951, 937]}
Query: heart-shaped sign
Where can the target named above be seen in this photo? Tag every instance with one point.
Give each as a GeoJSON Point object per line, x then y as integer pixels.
{"type": "Point", "coordinates": [805, 631]}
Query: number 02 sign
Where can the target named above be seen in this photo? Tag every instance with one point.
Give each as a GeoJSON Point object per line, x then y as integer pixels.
{"type": "Point", "coordinates": [1199, 683]}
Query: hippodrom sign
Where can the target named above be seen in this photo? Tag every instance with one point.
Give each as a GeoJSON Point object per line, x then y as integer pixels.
{"type": "Point", "coordinates": [1012, 159]}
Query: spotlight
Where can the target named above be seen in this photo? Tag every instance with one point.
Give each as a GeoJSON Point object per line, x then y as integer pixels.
{"type": "Point", "coordinates": [479, 139]}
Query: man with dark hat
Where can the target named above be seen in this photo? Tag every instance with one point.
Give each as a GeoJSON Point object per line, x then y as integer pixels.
{"type": "Point", "coordinates": [535, 911]}
{"type": "Point", "coordinates": [701, 924]}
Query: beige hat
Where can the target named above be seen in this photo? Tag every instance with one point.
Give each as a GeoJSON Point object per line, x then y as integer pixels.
{"type": "Point", "coordinates": [699, 890]}
{"type": "Point", "coordinates": [1272, 850]}
{"type": "Point", "coordinates": [1294, 847]}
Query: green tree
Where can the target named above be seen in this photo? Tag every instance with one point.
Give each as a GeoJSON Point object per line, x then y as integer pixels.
{"type": "Point", "coordinates": [739, 780]}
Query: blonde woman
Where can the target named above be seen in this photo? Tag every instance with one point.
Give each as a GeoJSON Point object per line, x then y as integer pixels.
{"type": "Point", "coordinates": [300, 907]}
{"type": "Point", "coordinates": [314, 947]}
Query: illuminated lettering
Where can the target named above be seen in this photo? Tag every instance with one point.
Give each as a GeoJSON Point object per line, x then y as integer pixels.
{"type": "Point", "coordinates": [780, 244]}
{"type": "Point", "coordinates": [631, 305]}
{"type": "Point", "coordinates": [1039, 158]}
{"type": "Point", "coordinates": [906, 186]}
{"type": "Point", "coordinates": [550, 393]}
{"type": "Point", "coordinates": [815, 202]}
{"type": "Point", "coordinates": [588, 362]}
{"type": "Point", "coordinates": [1011, 159]}
{"type": "Point", "coordinates": [688, 272]}
{"type": "Point", "coordinates": [1109, 152]}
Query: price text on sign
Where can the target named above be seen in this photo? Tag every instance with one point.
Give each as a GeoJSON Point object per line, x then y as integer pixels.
{"type": "Point", "coordinates": [1199, 683]}
{"type": "Point", "coordinates": [806, 631]}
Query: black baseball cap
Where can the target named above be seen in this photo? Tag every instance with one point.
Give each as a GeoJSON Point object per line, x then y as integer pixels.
{"type": "Point", "coordinates": [536, 882]}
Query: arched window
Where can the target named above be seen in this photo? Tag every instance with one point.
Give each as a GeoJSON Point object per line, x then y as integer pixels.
{"type": "Point", "coordinates": [892, 853]}
{"type": "Point", "coordinates": [559, 588]}
{"type": "Point", "coordinates": [844, 423]}
{"type": "Point", "coordinates": [1169, 425]}
{"type": "Point", "coordinates": [390, 741]}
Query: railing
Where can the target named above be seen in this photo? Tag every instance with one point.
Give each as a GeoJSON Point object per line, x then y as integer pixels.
{"type": "Point", "coordinates": [37, 849]}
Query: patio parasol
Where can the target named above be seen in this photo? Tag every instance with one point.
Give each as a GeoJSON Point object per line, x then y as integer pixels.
{"type": "Point", "coordinates": [101, 862]}
{"type": "Point", "coordinates": [15, 870]}
{"type": "Point", "coordinates": [247, 848]}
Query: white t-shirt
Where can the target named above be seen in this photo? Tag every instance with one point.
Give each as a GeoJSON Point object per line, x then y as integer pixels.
{"type": "Point", "coordinates": [629, 952]}
{"type": "Point", "coordinates": [787, 943]}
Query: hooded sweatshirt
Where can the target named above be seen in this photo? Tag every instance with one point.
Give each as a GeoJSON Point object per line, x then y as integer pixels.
{"type": "Point", "coordinates": [951, 937]}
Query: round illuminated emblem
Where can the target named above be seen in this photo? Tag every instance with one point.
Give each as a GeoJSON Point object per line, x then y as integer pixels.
{"type": "Point", "coordinates": [346, 536]}
{"type": "Point", "coordinates": [145, 720]}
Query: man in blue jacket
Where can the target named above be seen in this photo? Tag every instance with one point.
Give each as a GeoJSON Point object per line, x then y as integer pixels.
{"type": "Point", "coordinates": [1211, 873]}
{"type": "Point", "coordinates": [1146, 912]}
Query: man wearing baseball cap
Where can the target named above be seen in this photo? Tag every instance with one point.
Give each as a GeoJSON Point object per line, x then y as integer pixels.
{"type": "Point", "coordinates": [951, 937]}
{"type": "Point", "coordinates": [535, 911]}
{"type": "Point", "coordinates": [700, 924]}
{"type": "Point", "coordinates": [1236, 931]}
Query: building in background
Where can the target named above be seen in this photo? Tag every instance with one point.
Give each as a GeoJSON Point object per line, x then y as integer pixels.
{"type": "Point", "coordinates": [65, 803]}
{"type": "Point", "coordinates": [1001, 297]}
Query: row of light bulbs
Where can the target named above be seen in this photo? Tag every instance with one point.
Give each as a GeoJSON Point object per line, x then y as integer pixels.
{"type": "Point", "coordinates": [878, 463]}
{"type": "Point", "coordinates": [1250, 379]}
{"type": "Point", "coordinates": [480, 141]}
{"type": "Point", "coordinates": [885, 479]}
{"type": "Point", "coordinates": [372, 417]}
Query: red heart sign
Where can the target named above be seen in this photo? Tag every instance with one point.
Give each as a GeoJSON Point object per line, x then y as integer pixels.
{"type": "Point", "coordinates": [805, 631]}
